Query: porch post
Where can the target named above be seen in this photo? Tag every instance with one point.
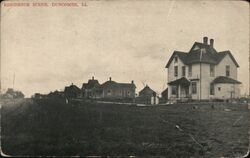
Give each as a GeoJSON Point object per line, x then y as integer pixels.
{"type": "Point", "coordinates": [179, 91]}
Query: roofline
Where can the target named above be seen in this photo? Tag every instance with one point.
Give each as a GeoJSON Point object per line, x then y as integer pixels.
{"type": "Point", "coordinates": [172, 57]}
{"type": "Point", "coordinates": [231, 56]}
{"type": "Point", "coordinates": [201, 43]}
{"type": "Point", "coordinates": [195, 62]}
{"type": "Point", "coordinates": [194, 45]}
{"type": "Point", "coordinates": [226, 83]}
{"type": "Point", "coordinates": [117, 83]}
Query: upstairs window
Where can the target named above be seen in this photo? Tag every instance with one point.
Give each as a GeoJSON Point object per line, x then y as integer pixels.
{"type": "Point", "coordinates": [194, 87]}
{"type": "Point", "coordinates": [183, 70]}
{"type": "Point", "coordinates": [212, 70]}
{"type": "Point", "coordinates": [227, 70]}
{"type": "Point", "coordinates": [176, 71]}
{"type": "Point", "coordinates": [175, 59]}
{"type": "Point", "coordinates": [190, 70]}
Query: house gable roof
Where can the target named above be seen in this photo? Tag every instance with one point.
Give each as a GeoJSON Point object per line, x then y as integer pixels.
{"type": "Point", "coordinates": [203, 53]}
{"type": "Point", "coordinates": [181, 55]}
{"type": "Point", "coordinates": [180, 81]}
{"type": "Point", "coordinates": [91, 84]}
{"type": "Point", "coordinates": [72, 89]}
{"type": "Point", "coordinates": [224, 53]}
{"type": "Point", "coordinates": [164, 91]}
{"type": "Point", "coordinates": [146, 90]}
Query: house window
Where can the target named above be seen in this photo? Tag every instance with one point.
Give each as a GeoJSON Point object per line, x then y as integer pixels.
{"type": "Point", "coordinates": [211, 89]}
{"type": "Point", "coordinates": [175, 71]}
{"type": "Point", "coordinates": [109, 92]}
{"type": "Point", "coordinates": [175, 59]}
{"type": "Point", "coordinates": [194, 87]}
{"type": "Point", "coordinates": [219, 88]}
{"type": "Point", "coordinates": [183, 70]}
{"type": "Point", "coordinates": [174, 90]}
{"type": "Point", "coordinates": [212, 70]}
{"type": "Point", "coordinates": [190, 70]}
{"type": "Point", "coordinates": [227, 70]}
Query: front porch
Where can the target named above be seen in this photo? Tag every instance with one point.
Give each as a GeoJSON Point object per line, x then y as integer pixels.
{"type": "Point", "coordinates": [179, 90]}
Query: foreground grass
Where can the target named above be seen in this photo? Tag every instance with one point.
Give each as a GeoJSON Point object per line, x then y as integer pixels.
{"type": "Point", "coordinates": [51, 127]}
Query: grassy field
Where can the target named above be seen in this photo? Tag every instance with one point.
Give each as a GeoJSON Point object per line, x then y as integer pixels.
{"type": "Point", "coordinates": [51, 127]}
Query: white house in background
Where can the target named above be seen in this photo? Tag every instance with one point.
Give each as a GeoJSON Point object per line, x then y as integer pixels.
{"type": "Point", "coordinates": [202, 73]}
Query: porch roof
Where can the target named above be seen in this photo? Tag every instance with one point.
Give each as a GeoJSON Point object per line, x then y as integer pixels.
{"type": "Point", "coordinates": [181, 81]}
{"type": "Point", "coordinates": [224, 79]}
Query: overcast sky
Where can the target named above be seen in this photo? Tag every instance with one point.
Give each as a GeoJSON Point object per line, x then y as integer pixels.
{"type": "Point", "coordinates": [49, 48]}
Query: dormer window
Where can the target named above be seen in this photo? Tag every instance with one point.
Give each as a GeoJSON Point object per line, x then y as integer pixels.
{"type": "Point", "coordinates": [175, 59]}
{"type": "Point", "coordinates": [196, 47]}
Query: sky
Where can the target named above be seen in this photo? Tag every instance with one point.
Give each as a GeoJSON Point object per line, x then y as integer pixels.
{"type": "Point", "coordinates": [47, 48]}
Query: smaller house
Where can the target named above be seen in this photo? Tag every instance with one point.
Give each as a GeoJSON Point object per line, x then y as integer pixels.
{"type": "Point", "coordinates": [72, 91]}
{"type": "Point", "coordinates": [115, 90]}
{"type": "Point", "coordinates": [56, 94]}
{"type": "Point", "coordinates": [145, 95]}
{"type": "Point", "coordinates": [146, 92]}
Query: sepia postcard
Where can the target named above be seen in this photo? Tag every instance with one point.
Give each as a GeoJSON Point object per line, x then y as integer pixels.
{"type": "Point", "coordinates": [131, 78]}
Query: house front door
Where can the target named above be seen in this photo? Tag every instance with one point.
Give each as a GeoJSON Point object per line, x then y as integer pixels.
{"type": "Point", "coordinates": [184, 91]}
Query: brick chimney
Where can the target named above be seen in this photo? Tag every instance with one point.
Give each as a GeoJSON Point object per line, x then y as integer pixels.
{"type": "Point", "coordinates": [93, 78]}
{"type": "Point", "coordinates": [212, 42]}
{"type": "Point", "coordinates": [205, 40]}
{"type": "Point", "coordinates": [109, 78]}
{"type": "Point", "coordinates": [132, 81]}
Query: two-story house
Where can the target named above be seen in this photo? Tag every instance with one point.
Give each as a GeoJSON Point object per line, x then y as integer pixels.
{"type": "Point", "coordinates": [91, 89]}
{"type": "Point", "coordinates": [202, 73]}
